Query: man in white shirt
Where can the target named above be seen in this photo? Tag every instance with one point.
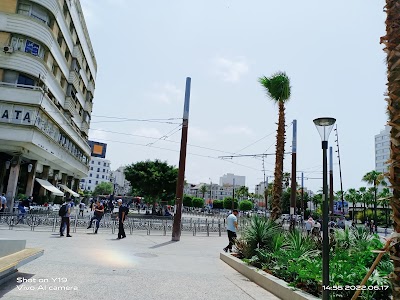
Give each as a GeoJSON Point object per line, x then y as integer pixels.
{"type": "Point", "coordinates": [3, 203]}
{"type": "Point", "coordinates": [231, 227]}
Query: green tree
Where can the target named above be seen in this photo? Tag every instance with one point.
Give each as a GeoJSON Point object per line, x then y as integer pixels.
{"type": "Point", "coordinates": [242, 192]}
{"type": "Point", "coordinates": [228, 203]}
{"type": "Point", "coordinates": [153, 179]}
{"type": "Point", "coordinates": [376, 179]}
{"type": "Point", "coordinates": [384, 199]}
{"type": "Point", "coordinates": [218, 204]}
{"type": "Point", "coordinates": [278, 88]}
{"type": "Point", "coordinates": [198, 202]}
{"type": "Point", "coordinates": [187, 201]}
{"type": "Point", "coordinates": [103, 188]}
{"type": "Point", "coordinates": [203, 190]}
{"type": "Point", "coordinates": [245, 205]}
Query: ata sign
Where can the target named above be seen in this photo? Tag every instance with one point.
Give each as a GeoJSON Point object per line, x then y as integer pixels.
{"type": "Point", "coordinates": [17, 114]}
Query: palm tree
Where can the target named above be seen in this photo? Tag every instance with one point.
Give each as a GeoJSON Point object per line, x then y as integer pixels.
{"type": "Point", "coordinates": [278, 90]}
{"type": "Point", "coordinates": [391, 41]}
{"type": "Point", "coordinates": [384, 198]}
{"type": "Point", "coordinates": [203, 190]}
{"type": "Point", "coordinates": [363, 192]}
{"type": "Point", "coordinates": [350, 196]}
{"type": "Point", "coordinates": [242, 192]}
{"type": "Point", "coordinates": [375, 178]}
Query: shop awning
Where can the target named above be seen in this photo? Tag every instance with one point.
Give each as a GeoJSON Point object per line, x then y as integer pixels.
{"type": "Point", "coordinates": [67, 189]}
{"type": "Point", "coordinates": [48, 186]}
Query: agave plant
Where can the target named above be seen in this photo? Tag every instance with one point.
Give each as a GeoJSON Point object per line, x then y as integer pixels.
{"type": "Point", "coordinates": [345, 239]}
{"type": "Point", "coordinates": [260, 232]}
{"type": "Point", "coordinates": [299, 244]}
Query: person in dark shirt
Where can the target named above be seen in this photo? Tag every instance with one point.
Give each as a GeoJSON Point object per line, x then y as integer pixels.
{"type": "Point", "coordinates": [121, 219]}
{"type": "Point", "coordinates": [98, 215]}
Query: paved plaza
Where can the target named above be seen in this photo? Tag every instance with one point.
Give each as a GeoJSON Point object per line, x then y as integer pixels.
{"type": "Point", "coordinates": [89, 266]}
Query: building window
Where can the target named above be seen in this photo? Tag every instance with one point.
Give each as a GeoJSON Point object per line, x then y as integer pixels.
{"type": "Point", "coordinates": [97, 182]}
{"type": "Point", "coordinates": [104, 170]}
{"type": "Point", "coordinates": [98, 169]}
{"type": "Point", "coordinates": [90, 181]}
{"type": "Point", "coordinates": [97, 176]}
{"type": "Point", "coordinates": [102, 176]}
{"type": "Point", "coordinates": [98, 163]}
{"type": "Point", "coordinates": [25, 80]}
{"type": "Point", "coordinates": [90, 175]}
{"type": "Point", "coordinates": [91, 168]}
{"type": "Point", "coordinates": [92, 162]}
{"type": "Point", "coordinates": [34, 11]}
{"type": "Point", "coordinates": [105, 164]}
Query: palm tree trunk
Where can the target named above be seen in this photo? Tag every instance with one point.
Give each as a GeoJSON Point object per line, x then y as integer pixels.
{"type": "Point", "coordinates": [278, 174]}
{"type": "Point", "coordinates": [392, 44]}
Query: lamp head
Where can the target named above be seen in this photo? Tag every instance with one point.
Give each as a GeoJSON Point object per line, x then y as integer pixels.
{"type": "Point", "coordinates": [30, 168]}
{"type": "Point", "coordinates": [324, 127]}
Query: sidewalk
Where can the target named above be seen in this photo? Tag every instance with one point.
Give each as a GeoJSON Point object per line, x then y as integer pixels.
{"type": "Point", "coordinates": [89, 266]}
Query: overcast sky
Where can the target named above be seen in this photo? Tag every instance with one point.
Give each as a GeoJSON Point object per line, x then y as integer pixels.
{"type": "Point", "coordinates": [329, 49]}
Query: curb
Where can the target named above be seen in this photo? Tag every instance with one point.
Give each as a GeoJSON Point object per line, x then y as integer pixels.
{"type": "Point", "coordinates": [276, 286]}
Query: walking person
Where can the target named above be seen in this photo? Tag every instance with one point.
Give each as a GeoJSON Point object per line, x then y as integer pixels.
{"type": "Point", "coordinates": [98, 215]}
{"type": "Point", "coordinates": [309, 225]}
{"type": "Point", "coordinates": [121, 219]}
{"type": "Point", "coordinates": [81, 208]}
{"type": "Point", "coordinates": [231, 227]}
{"type": "Point", "coordinates": [3, 203]}
{"type": "Point", "coordinates": [64, 213]}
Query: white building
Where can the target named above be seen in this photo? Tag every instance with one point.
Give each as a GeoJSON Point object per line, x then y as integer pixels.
{"type": "Point", "coordinates": [231, 179]}
{"type": "Point", "coordinates": [47, 79]}
{"type": "Point", "coordinates": [122, 186]}
{"type": "Point", "coordinates": [99, 171]}
{"type": "Point", "coordinates": [382, 150]}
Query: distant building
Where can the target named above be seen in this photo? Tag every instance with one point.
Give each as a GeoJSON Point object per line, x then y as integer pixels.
{"type": "Point", "coordinates": [122, 186]}
{"type": "Point", "coordinates": [229, 178]}
{"type": "Point", "coordinates": [382, 150]}
{"type": "Point", "coordinates": [99, 167]}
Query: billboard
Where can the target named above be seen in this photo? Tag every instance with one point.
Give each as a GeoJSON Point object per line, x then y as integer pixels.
{"type": "Point", "coordinates": [337, 207]}
{"type": "Point", "coordinates": [98, 149]}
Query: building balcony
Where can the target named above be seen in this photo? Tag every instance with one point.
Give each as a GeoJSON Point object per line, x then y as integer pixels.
{"type": "Point", "coordinates": [20, 94]}
{"type": "Point", "coordinates": [69, 105]}
{"type": "Point", "coordinates": [89, 106]}
{"type": "Point", "coordinates": [73, 78]}
{"type": "Point", "coordinates": [91, 87]}
{"type": "Point", "coordinates": [85, 127]}
{"type": "Point", "coordinates": [77, 53]}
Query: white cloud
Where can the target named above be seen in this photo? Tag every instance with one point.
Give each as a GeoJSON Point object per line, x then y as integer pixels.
{"type": "Point", "coordinates": [167, 93]}
{"type": "Point", "coordinates": [231, 70]}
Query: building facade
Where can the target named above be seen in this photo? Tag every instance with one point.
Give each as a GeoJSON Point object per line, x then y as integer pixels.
{"type": "Point", "coordinates": [382, 150]}
{"type": "Point", "coordinates": [99, 171]}
{"type": "Point", "coordinates": [121, 185]}
{"type": "Point", "coordinates": [232, 179]}
{"type": "Point", "coordinates": [47, 79]}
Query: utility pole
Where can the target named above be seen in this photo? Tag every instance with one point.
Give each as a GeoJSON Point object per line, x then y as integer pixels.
{"type": "Point", "coordinates": [302, 195]}
{"type": "Point", "coordinates": [340, 169]}
{"type": "Point", "coordinates": [176, 229]}
{"type": "Point", "coordinates": [330, 181]}
{"type": "Point", "coordinates": [293, 183]}
{"type": "Point", "coordinates": [233, 195]}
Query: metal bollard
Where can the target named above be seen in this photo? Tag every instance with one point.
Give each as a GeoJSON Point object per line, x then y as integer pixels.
{"type": "Point", "coordinates": [194, 230]}
{"type": "Point", "coordinates": [113, 227]}
{"type": "Point", "coordinates": [165, 228]}
{"type": "Point", "coordinates": [219, 229]}
{"type": "Point", "coordinates": [208, 229]}
{"type": "Point", "coordinates": [148, 228]}
{"type": "Point", "coordinates": [54, 224]}
{"type": "Point", "coordinates": [76, 222]}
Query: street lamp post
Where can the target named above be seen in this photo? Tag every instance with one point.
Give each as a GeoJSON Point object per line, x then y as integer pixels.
{"type": "Point", "coordinates": [324, 127]}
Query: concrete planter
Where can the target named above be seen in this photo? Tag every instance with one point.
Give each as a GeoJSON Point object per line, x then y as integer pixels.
{"type": "Point", "coordinates": [272, 284]}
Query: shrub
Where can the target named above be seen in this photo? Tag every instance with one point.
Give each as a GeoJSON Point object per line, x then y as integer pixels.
{"type": "Point", "coordinates": [198, 202]}
{"type": "Point", "coordinates": [218, 204]}
{"type": "Point", "coordinates": [245, 205]}
{"type": "Point", "coordinates": [187, 201]}
{"type": "Point", "coordinates": [260, 232]}
{"type": "Point", "coordinates": [228, 203]}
